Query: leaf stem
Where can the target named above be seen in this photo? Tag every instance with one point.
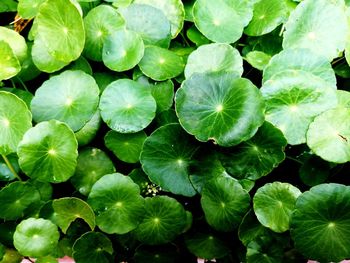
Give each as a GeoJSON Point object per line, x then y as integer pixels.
{"type": "Point", "coordinates": [294, 159]}
{"type": "Point", "coordinates": [9, 165]}
{"type": "Point", "coordinates": [22, 83]}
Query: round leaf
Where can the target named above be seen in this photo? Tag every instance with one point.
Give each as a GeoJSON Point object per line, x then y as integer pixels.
{"type": "Point", "coordinates": [92, 164]}
{"type": "Point", "coordinates": [258, 156]}
{"type": "Point", "coordinates": [224, 202]}
{"type": "Point", "coordinates": [68, 209]}
{"type": "Point", "coordinates": [126, 147]}
{"type": "Point", "coordinates": [219, 107]}
{"type": "Point", "coordinates": [267, 15]}
{"type": "Point", "coordinates": [164, 218]}
{"type": "Point", "coordinates": [61, 28]}
{"type": "Point", "coordinates": [36, 237]}
{"type": "Point", "coordinates": [165, 158]}
{"type": "Point", "coordinates": [214, 57]}
{"type": "Point", "coordinates": [206, 246]}
{"type": "Point", "coordinates": [172, 9]}
{"type": "Point", "coordinates": [15, 120]}
{"type": "Point", "coordinates": [149, 22]}
{"type": "Point", "coordinates": [222, 20]}
{"type": "Point", "coordinates": [127, 106]}
{"type": "Point", "coordinates": [300, 59]}
{"type": "Point", "coordinates": [70, 97]}
{"type": "Point", "coordinates": [122, 50]}
{"type": "Point", "coordinates": [15, 198]}
{"type": "Point", "coordinates": [329, 135]}
{"type": "Point", "coordinates": [48, 152]}
{"type": "Point", "coordinates": [93, 247]}
{"type": "Point", "coordinates": [117, 202]}
{"type": "Point", "coordinates": [273, 204]}
{"type": "Point", "coordinates": [293, 99]}
{"type": "Point", "coordinates": [9, 64]}
{"type": "Point", "coordinates": [100, 22]}
{"type": "Point", "coordinates": [320, 223]}
{"type": "Point", "coordinates": [161, 64]}
{"type": "Point", "coordinates": [318, 26]}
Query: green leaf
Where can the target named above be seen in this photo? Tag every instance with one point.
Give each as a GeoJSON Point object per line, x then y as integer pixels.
{"type": "Point", "coordinates": [318, 26]}
{"type": "Point", "coordinates": [196, 37]}
{"type": "Point", "coordinates": [48, 259]}
{"type": "Point", "coordinates": [267, 15]}
{"type": "Point", "coordinates": [36, 237]}
{"type": "Point", "coordinates": [273, 205]}
{"type": "Point", "coordinates": [214, 57]}
{"type": "Point", "coordinates": [258, 59]}
{"type": "Point", "coordinates": [8, 6]}
{"type": "Point", "coordinates": [165, 158]}
{"type": "Point", "coordinates": [161, 64]}
{"type": "Point", "coordinates": [15, 120]}
{"type": "Point", "coordinates": [99, 23]}
{"type": "Point", "coordinates": [207, 246]}
{"type": "Point", "coordinates": [15, 41]}
{"type": "Point", "coordinates": [122, 50]}
{"type": "Point", "coordinates": [224, 202]}
{"type": "Point", "coordinates": [61, 28]}
{"type": "Point", "coordinates": [9, 64]}
{"type": "Point", "coordinates": [222, 20]}
{"type": "Point", "coordinates": [314, 170]}
{"type": "Point", "coordinates": [156, 254]}
{"type": "Point", "coordinates": [300, 59]}
{"type": "Point", "coordinates": [250, 228]}
{"type": "Point", "coordinates": [293, 98]}
{"type": "Point", "coordinates": [92, 164]}
{"type": "Point", "coordinates": [329, 134]}
{"type": "Point", "coordinates": [127, 106]}
{"type": "Point", "coordinates": [256, 157]}
{"type": "Point", "coordinates": [320, 223]}
{"type": "Point", "coordinates": [219, 107]}
{"type": "Point", "coordinates": [88, 132]}
{"type": "Point", "coordinates": [93, 247]}
{"type": "Point", "coordinates": [117, 202]}
{"type": "Point", "coordinates": [149, 22]}
{"type": "Point", "coordinates": [172, 9]}
{"type": "Point", "coordinates": [264, 249]}
{"type": "Point", "coordinates": [68, 209]}
{"type": "Point", "coordinates": [24, 95]}
{"type": "Point", "coordinates": [15, 198]}
{"type": "Point", "coordinates": [164, 218]}
{"type": "Point", "coordinates": [48, 152]}
{"type": "Point", "coordinates": [29, 8]}
{"type": "Point", "coordinates": [70, 97]}
{"type": "Point", "coordinates": [127, 147]}
{"type": "Point", "coordinates": [163, 93]}
{"type": "Point", "coordinates": [42, 59]}
{"type": "Point", "coordinates": [343, 98]}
